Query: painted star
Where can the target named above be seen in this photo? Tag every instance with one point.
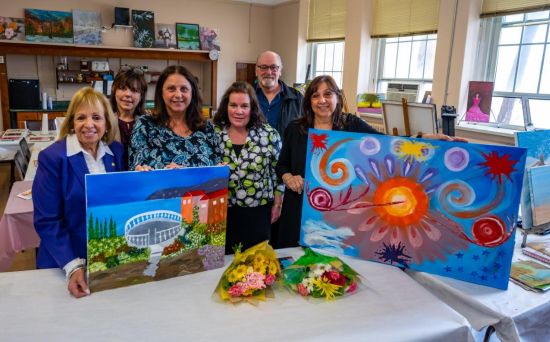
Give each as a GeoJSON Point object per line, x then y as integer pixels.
{"type": "Point", "coordinates": [459, 255]}
{"type": "Point", "coordinates": [498, 166]}
{"type": "Point", "coordinates": [448, 269]}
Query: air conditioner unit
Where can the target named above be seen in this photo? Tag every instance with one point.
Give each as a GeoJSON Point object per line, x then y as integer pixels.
{"type": "Point", "coordinates": [397, 91]}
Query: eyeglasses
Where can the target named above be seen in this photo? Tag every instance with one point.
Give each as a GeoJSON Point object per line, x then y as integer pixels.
{"type": "Point", "coordinates": [264, 67]}
{"type": "Point", "coordinates": [135, 70]}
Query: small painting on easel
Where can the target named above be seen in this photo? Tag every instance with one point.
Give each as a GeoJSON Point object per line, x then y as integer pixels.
{"type": "Point", "coordinates": [480, 96]}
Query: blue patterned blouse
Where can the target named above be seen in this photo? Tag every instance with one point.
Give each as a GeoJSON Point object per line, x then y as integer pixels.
{"type": "Point", "coordinates": [158, 146]}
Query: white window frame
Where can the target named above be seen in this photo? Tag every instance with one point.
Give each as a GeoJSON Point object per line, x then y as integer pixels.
{"type": "Point", "coordinates": [328, 70]}
{"type": "Point", "coordinates": [381, 81]}
{"type": "Point", "coordinates": [490, 44]}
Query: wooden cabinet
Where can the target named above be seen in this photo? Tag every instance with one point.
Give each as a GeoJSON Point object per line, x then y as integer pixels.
{"type": "Point", "coordinates": [35, 116]}
{"type": "Point", "coordinates": [210, 74]}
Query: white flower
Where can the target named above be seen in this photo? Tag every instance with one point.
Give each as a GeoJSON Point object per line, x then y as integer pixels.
{"type": "Point", "coordinates": [9, 33]}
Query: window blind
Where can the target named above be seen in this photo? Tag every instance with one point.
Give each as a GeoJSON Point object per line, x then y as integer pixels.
{"type": "Point", "coordinates": [492, 8]}
{"type": "Point", "coordinates": [394, 18]}
{"type": "Point", "coordinates": [327, 20]}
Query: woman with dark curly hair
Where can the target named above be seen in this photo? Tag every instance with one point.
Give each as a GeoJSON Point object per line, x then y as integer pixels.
{"type": "Point", "coordinates": [251, 149]}
{"type": "Point", "coordinates": [176, 134]}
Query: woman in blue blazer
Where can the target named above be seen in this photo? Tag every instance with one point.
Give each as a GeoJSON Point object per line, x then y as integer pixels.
{"type": "Point", "coordinates": [86, 145]}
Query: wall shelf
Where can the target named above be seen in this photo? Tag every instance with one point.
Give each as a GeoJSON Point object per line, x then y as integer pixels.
{"type": "Point", "coordinates": [72, 50]}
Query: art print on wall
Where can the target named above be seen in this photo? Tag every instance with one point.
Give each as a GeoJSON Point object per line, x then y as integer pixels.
{"type": "Point", "coordinates": [143, 23]}
{"type": "Point", "coordinates": [165, 36]}
{"type": "Point", "coordinates": [480, 96]}
{"type": "Point", "coordinates": [187, 36]}
{"type": "Point", "coordinates": [209, 39]}
{"type": "Point", "coordinates": [165, 223]}
{"type": "Point", "coordinates": [48, 26]}
{"type": "Point", "coordinates": [433, 206]}
{"type": "Point", "coordinates": [538, 154]}
{"type": "Point", "coordinates": [12, 28]}
{"type": "Point", "coordinates": [87, 27]}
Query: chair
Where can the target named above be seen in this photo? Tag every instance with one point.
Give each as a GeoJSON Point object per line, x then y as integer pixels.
{"type": "Point", "coordinates": [25, 149]}
{"type": "Point", "coordinates": [21, 164]}
{"type": "Point", "coordinates": [36, 125]}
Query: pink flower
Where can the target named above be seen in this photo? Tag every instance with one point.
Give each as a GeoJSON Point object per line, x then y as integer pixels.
{"type": "Point", "coordinates": [255, 280]}
{"type": "Point", "coordinates": [270, 279]}
{"type": "Point", "coordinates": [302, 290]}
{"type": "Point", "coordinates": [335, 278]}
{"type": "Point", "coordinates": [235, 291]}
{"type": "Point", "coordinates": [352, 287]}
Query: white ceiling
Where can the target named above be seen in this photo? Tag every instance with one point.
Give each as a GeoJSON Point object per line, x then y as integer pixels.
{"type": "Point", "coordinates": [264, 2]}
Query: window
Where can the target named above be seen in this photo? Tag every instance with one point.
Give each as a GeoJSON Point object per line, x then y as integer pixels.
{"type": "Point", "coordinates": [408, 59]}
{"type": "Point", "coordinates": [328, 59]}
{"type": "Point", "coordinates": [519, 64]}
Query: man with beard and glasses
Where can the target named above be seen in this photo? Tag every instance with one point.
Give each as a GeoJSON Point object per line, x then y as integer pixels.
{"type": "Point", "coordinates": [280, 103]}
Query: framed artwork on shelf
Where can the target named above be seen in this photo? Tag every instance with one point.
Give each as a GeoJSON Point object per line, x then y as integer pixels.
{"type": "Point", "coordinates": [144, 28]}
{"type": "Point", "coordinates": [48, 26]}
{"type": "Point", "coordinates": [187, 36]}
{"type": "Point", "coordinates": [12, 28]}
{"type": "Point", "coordinates": [87, 27]}
{"type": "Point", "coordinates": [165, 37]}
{"type": "Point", "coordinates": [209, 39]}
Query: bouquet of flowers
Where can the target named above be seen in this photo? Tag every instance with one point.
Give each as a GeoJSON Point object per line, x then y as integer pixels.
{"type": "Point", "coordinates": [251, 275]}
{"type": "Point", "coordinates": [320, 276]}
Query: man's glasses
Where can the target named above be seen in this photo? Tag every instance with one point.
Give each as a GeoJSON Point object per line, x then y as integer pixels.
{"type": "Point", "coordinates": [135, 70]}
{"type": "Point", "coordinates": [264, 67]}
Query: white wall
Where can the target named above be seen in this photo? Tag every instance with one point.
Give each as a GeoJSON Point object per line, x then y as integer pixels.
{"type": "Point", "coordinates": [285, 38]}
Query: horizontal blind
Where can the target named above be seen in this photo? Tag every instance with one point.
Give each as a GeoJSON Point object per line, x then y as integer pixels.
{"type": "Point", "coordinates": [394, 18]}
{"type": "Point", "coordinates": [493, 8]}
{"type": "Point", "coordinates": [327, 20]}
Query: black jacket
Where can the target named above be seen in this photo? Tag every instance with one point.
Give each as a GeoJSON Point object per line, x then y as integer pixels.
{"type": "Point", "coordinates": [291, 107]}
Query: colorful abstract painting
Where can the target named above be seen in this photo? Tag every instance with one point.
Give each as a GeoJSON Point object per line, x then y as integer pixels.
{"type": "Point", "coordinates": [165, 36]}
{"type": "Point", "coordinates": [87, 27]}
{"type": "Point", "coordinates": [209, 39]}
{"type": "Point", "coordinates": [12, 28]}
{"type": "Point", "coordinates": [187, 36]}
{"type": "Point", "coordinates": [540, 193]}
{"type": "Point", "coordinates": [433, 206]}
{"type": "Point", "coordinates": [158, 225]}
{"type": "Point", "coordinates": [144, 28]}
{"type": "Point", "coordinates": [48, 26]}
{"type": "Point", "coordinates": [538, 153]}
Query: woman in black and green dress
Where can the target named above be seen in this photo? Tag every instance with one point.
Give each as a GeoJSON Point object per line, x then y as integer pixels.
{"type": "Point", "coordinates": [251, 149]}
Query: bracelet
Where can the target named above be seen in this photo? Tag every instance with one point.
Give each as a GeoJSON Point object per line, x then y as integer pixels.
{"type": "Point", "coordinates": [278, 205]}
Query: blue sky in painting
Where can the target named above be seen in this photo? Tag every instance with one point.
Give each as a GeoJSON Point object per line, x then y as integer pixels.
{"type": "Point", "coordinates": [134, 186]}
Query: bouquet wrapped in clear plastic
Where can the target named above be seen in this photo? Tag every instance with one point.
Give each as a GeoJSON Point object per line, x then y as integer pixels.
{"type": "Point", "coordinates": [251, 275]}
{"type": "Point", "coordinates": [320, 276]}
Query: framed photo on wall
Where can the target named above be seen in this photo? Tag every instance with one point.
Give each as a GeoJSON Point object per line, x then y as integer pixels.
{"type": "Point", "coordinates": [187, 36]}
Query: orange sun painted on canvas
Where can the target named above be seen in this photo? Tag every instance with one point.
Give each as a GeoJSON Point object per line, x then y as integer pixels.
{"type": "Point", "coordinates": [411, 202]}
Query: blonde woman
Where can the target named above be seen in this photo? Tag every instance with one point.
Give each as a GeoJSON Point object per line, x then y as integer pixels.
{"type": "Point", "coordinates": [86, 146]}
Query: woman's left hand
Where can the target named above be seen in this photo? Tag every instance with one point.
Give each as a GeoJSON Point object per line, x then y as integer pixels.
{"type": "Point", "coordinates": [275, 213]}
{"type": "Point", "coordinates": [442, 137]}
{"type": "Point", "coordinates": [276, 208]}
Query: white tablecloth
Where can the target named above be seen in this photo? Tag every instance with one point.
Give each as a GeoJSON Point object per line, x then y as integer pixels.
{"type": "Point", "coordinates": [35, 306]}
{"type": "Point", "coordinates": [516, 314]}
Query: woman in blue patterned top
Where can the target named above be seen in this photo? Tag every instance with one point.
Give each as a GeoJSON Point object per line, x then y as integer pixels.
{"type": "Point", "coordinates": [251, 149]}
{"type": "Point", "coordinates": [176, 134]}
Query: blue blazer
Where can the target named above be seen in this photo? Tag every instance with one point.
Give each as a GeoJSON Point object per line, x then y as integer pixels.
{"type": "Point", "coordinates": [59, 200]}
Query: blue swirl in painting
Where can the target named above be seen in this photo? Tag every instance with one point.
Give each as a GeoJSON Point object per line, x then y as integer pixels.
{"type": "Point", "coordinates": [441, 207]}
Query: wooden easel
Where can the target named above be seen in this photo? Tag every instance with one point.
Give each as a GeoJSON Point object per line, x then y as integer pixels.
{"type": "Point", "coordinates": [405, 105]}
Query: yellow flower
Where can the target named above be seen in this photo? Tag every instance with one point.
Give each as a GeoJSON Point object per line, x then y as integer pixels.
{"type": "Point", "coordinates": [240, 272]}
{"type": "Point", "coordinates": [273, 267]}
{"type": "Point", "coordinates": [232, 277]}
{"type": "Point", "coordinates": [327, 289]}
{"type": "Point", "coordinates": [259, 259]}
{"type": "Point", "coordinates": [260, 268]}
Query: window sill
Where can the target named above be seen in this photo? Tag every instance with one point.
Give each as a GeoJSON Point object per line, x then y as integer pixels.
{"type": "Point", "coordinates": [486, 134]}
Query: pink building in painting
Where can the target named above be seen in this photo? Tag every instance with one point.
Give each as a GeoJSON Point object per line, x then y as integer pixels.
{"type": "Point", "coordinates": [212, 206]}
